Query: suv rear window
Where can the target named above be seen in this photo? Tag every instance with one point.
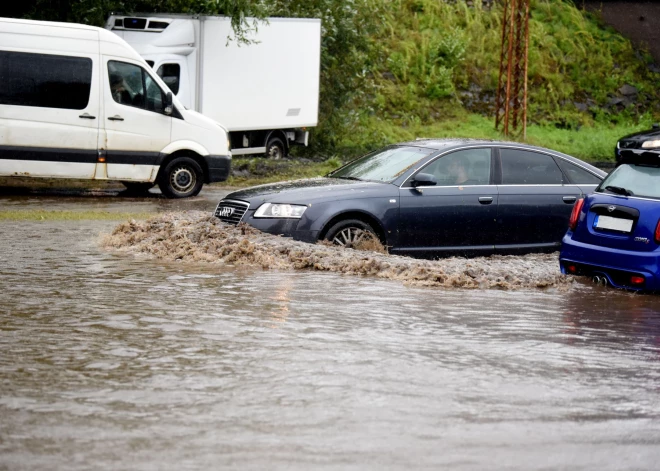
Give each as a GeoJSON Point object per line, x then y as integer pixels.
{"type": "Point", "coordinates": [641, 180]}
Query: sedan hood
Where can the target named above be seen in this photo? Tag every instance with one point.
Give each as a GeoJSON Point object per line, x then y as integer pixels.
{"type": "Point", "coordinates": [305, 191]}
{"type": "Point", "coordinates": [637, 138]}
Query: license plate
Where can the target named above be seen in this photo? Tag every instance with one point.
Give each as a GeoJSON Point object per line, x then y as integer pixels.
{"type": "Point", "coordinates": [614, 224]}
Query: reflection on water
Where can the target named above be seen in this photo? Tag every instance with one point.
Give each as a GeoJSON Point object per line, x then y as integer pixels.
{"type": "Point", "coordinates": [121, 363]}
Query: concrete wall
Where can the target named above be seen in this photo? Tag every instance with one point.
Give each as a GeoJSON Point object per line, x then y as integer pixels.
{"type": "Point", "coordinates": [637, 20]}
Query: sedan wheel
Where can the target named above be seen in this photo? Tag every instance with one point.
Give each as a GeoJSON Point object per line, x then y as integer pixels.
{"type": "Point", "coordinates": [350, 232]}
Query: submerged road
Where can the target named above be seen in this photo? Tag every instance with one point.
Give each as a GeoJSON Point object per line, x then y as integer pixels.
{"type": "Point", "coordinates": [117, 362]}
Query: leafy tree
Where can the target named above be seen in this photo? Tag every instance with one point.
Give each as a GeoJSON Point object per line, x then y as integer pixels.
{"type": "Point", "coordinates": [244, 13]}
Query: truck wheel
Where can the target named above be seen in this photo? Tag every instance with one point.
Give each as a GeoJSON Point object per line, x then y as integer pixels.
{"type": "Point", "coordinates": [181, 178]}
{"type": "Point", "coordinates": [138, 187]}
{"type": "Point", "coordinates": [350, 231]}
{"type": "Point", "coordinates": [275, 148]}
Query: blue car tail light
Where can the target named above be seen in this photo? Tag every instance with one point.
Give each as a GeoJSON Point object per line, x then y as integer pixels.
{"type": "Point", "coordinates": [637, 280]}
{"type": "Point", "coordinates": [657, 233]}
{"type": "Point", "coordinates": [575, 214]}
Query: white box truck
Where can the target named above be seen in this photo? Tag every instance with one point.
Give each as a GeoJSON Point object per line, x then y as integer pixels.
{"type": "Point", "coordinates": [265, 93]}
{"type": "Point", "coordinates": [78, 102]}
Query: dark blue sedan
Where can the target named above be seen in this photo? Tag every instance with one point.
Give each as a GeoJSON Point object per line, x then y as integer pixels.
{"type": "Point", "coordinates": [431, 197]}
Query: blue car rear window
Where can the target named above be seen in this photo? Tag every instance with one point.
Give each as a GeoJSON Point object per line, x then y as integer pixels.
{"type": "Point", "coordinates": [643, 181]}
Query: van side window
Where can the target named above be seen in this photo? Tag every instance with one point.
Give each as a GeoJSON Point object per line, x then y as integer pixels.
{"type": "Point", "coordinates": [45, 80]}
{"type": "Point", "coordinates": [170, 73]}
{"type": "Point", "coordinates": [131, 85]}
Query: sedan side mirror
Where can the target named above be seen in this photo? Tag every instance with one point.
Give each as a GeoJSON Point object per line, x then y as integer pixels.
{"type": "Point", "coordinates": [169, 107]}
{"type": "Point", "coordinates": [424, 179]}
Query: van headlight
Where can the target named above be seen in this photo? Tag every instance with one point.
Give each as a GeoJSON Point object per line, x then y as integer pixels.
{"type": "Point", "coordinates": [271, 210]}
{"type": "Point", "coordinates": [650, 144]}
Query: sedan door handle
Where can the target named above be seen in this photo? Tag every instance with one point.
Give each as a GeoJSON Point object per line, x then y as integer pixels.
{"type": "Point", "coordinates": [569, 199]}
{"type": "Point", "coordinates": [115, 118]}
{"type": "Point", "coordinates": [87, 116]}
{"type": "Point", "coordinates": [485, 199]}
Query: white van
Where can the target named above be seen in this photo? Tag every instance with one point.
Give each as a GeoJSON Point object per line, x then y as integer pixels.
{"type": "Point", "coordinates": [78, 102]}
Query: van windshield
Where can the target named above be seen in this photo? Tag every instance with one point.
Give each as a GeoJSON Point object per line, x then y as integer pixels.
{"type": "Point", "coordinates": [636, 180]}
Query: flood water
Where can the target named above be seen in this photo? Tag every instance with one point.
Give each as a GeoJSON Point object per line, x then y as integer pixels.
{"type": "Point", "coordinates": [117, 362]}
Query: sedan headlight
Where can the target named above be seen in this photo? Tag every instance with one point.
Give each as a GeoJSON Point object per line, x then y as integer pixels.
{"type": "Point", "coordinates": [650, 144]}
{"type": "Point", "coordinates": [270, 210]}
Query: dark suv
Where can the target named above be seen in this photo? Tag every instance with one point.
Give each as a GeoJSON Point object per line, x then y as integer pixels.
{"type": "Point", "coordinates": [640, 140]}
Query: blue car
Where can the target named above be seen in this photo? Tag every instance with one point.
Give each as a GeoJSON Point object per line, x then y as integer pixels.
{"type": "Point", "coordinates": [428, 198]}
{"type": "Point", "coordinates": [614, 233]}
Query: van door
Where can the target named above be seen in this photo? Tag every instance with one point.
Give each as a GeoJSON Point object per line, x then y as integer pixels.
{"type": "Point", "coordinates": [135, 126]}
{"type": "Point", "coordinates": [49, 113]}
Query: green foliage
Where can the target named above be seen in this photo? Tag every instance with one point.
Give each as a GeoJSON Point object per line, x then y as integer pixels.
{"type": "Point", "coordinates": [245, 14]}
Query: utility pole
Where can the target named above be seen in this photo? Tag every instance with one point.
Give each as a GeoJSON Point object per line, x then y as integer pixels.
{"type": "Point", "coordinates": [511, 104]}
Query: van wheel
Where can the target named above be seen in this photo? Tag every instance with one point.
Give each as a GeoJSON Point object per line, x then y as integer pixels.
{"type": "Point", "coordinates": [275, 148]}
{"type": "Point", "coordinates": [138, 187]}
{"type": "Point", "coordinates": [181, 178]}
{"type": "Point", "coordinates": [349, 232]}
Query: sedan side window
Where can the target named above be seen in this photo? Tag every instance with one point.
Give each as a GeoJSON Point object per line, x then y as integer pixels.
{"type": "Point", "coordinates": [131, 85]}
{"type": "Point", "coordinates": [577, 175]}
{"type": "Point", "coordinates": [464, 167]}
{"type": "Point", "coordinates": [523, 167]}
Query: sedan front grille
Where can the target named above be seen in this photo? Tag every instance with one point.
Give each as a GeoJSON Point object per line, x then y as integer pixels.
{"type": "Point", "coordinates": [231, 211]}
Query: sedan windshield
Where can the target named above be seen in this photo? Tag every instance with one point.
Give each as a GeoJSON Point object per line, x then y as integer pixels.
{"type": "Point", "coordinates": [633, 180]}
{"type": "Point", "coordinates": [384, 165]}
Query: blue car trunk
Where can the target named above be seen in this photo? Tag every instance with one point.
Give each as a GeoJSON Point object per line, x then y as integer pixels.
{"type": "Point", "coordinates": [616, 222]}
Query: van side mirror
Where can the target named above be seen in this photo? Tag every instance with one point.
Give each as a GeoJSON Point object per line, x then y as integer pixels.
{"type": "Point", "coordinates": [169, 107]}
{"type": "Point", "coordinates": [424, 179]}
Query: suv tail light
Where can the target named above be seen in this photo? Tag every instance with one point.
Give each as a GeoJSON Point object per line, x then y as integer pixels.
{"type": "Point", "coordinates": [575, 215]}
{"type": "Point", "coordinates": [657, 233]}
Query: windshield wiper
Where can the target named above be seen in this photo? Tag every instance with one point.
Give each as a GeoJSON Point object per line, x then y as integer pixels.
{"type": "Point", "coordinates": [619, 190]}
{"type": "Point", "coordinates": [350, 178]}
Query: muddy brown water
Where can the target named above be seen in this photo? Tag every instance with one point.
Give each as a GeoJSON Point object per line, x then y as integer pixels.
{"type": "Point", "coordinates": [115, 361]}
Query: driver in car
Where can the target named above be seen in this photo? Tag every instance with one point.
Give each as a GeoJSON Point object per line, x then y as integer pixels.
{"type": "Point", "coordinates": [459, 170]}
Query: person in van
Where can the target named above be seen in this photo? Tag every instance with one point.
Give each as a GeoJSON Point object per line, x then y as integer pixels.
{"type": "Point", "coordinates": [118, 89]}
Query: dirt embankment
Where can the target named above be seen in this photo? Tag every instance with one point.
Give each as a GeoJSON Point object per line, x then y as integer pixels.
{"type": "Point", "coordinates": [199, 237]}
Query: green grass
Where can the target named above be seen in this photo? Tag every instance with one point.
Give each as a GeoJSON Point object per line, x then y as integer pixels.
{"type": "Point", "coordinates": [591, 143]}
{"type": "Point", "coordinates": [43, 215]}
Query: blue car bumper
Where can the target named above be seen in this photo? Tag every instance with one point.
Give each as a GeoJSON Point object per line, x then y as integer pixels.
{"type": "Point", "coordinates": [619, 266]}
